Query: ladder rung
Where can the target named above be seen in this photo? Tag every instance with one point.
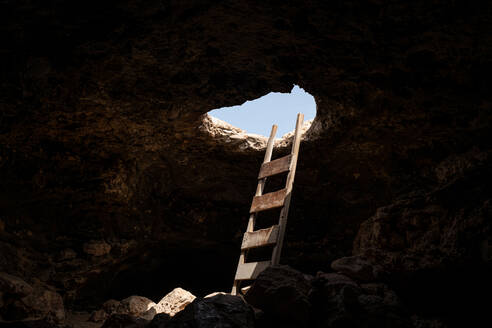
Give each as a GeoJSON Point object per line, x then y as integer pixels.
{"type": "Point", "coordinates": [277, 166]}
{"type": "Point", "coordinates": [268, 201]}
{"type": "Point", "coordinates": [262, 237]}
{"type": "Point", "coordinates": [251, 270]}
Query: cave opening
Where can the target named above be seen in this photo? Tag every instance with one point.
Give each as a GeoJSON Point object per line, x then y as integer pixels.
{"type": "Point", "coordinates": [257, 116]}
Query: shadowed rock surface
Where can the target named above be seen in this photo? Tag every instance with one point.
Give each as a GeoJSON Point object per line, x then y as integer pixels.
{"type": "Point", "coordinates": [113, 183]}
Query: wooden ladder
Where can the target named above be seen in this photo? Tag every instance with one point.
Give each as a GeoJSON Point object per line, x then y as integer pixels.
{"type": "Point", "coordinates": [281, 198]}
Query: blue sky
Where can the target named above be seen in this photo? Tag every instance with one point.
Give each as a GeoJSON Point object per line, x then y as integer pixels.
{"type": "Point", "coordinates": [258, 116]}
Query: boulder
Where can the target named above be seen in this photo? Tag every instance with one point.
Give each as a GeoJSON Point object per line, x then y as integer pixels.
{"type": "Point", "coordinates": [174, 302]}
{"type": "Point", "coordinates": [42, 303]}
{"type": "Point", "coordinates": [97, 248]}
{"type": "Point", "coordinates": [124, 321]}
{"type": "Point", "coordinates": [224, 311]}
{"type": "Point", "coordinates": [282, 292]}
{"type": "Point", "coordinates": [137, 306]}
{"type": "Point", "coordinates": [160, 321]}
{"type": "Point", "coordinates": [98, 316]}
{"type": "Point", "coordinates": [331, 284]}
{"type": "Point", "coordinates": [382, 290]}
{"type": "Point", "coordinates": [13, 285]}
{"type": "Point", "coordinates": [338, 301]}
{"type": "Point", "coordinates": [358, 268]}
{"type": "Point", "coordinates": [111, 306]}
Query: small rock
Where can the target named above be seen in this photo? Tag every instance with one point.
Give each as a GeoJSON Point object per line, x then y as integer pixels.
{"type": "Point", "coordinates": [282, 292]}
{"type": "Point", "coordinates": [389, 296]}
{"type": "Point", "coordinates": [98, 316]}
{"type": "Point", "coordinates": [174, 302]}
{"type": "Point", "coordinates": [97, 248]}
{"type": "Point", "coordinates": [111, 306]}
{"type": "Point", "coordinates": [333, 283]}
{"type": "Point", "coordinates": [14, 285]}
{"type": "Point", "coordinates": [66, 254]}
{"type": "Point", "coordinates": [124, 321]}
{"type": "Point", "coordinates": [419, 322]}
{"type": "Point", "coordinates": [43, 303]}
{"type": "Point", "coordinates": [160, 321]}
{"type": "Point", "coordinates": [225, 311]}
{"type": "Point", "coordinates": [338, 301]}
{"type": "Point", "coordinates": [215, 293]}
{"type": "Point", "coordinates": [357, 267]}
{"type": "Point", "coordinates": [136, 306]}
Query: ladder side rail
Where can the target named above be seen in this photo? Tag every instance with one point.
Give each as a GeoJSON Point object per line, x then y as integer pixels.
{"type": "Point", "coordinates": [288, 186]}
{"type": "Point", "coordinates": [259, 192]}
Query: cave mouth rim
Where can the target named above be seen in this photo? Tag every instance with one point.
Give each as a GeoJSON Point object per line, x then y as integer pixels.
{"type": "Point", "coordinates": [279, 108]}
{"type": "Point", "coordinates": [223, 132]}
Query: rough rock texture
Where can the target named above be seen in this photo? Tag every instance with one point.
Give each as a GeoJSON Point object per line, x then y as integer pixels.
{"type": "Point", "coordinates": [282, 292]}
{"type": "Point", "coordinates": [14, 285]}
{"type": "Point", "coordinates": [224, 311]}
{"type": "Point", "coordinates": [287, 299]}
{"type": "Point", "coordinates": [102, 138]}
{"type": "Point", "coordinates": [111, 306]}
{"type": "Point", "coordinates": [357, 267]}
{"type": "Point", "coordinates": [174, 302]}
{"type": "Point", "coordinates": [41, 303]}
{"type": "Point", "coordinates": [98, 316]}
{"type": "Point", "coordinates": [97, 248]}
{"type": "Point", "coordinates": [124, 321]}
{"type": "Point", "coordinates": [137, 306]}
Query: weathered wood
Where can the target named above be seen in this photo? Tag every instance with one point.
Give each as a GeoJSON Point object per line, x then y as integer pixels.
{"type": "Point", "coordinates": [244, 290]}
{"type": "Point", "coordinates": [277, 250]}
{"type": "Point", "coordinates": [250, 270]}
{"type": "Point", "coordinates": [259, 191]}
{"type": "Point", "coordinates": [268, 201]}
{"type": "Point", "coordinates": [277, 166]}
{"type": "Point", "coordinates": [259, 238]}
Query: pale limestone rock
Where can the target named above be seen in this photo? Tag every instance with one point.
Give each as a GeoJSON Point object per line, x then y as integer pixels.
{"type": "Point", "coordinates": [174, 302]}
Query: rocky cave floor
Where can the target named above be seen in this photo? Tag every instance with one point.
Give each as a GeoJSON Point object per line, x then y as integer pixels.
{"type": "Point", "coordinates": [115, 185]}
{"type": "Point", "coordinates": [354, 295]}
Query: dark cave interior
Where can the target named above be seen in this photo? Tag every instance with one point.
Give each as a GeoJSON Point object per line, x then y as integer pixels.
{"type": "Point", "coordinates": [114, 183]}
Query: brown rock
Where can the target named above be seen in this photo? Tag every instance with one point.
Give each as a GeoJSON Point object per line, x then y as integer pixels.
{"type": "Point", "coordinates": [98, 316]}
{"type": "Point", "coordinates": [124, 321]}
{"type": "Point", "coordinates": [14, 285]}
{"type": "Point", "coordinates": [282, 292]}
{"type": "Point", "coordinates": [67, 254]}
{"type": "Point", "coordinates": [111, 306]}
{"type": "Point", "coordinates": [357, 267]}
{"type": "Point", "coordinates": [136, 306]}
{"type": "Point", "coordinates": [97, 248]}
{"type": "Point", "coordinates": [216, 311]}
{"type": "Point", "coordinates": [43, 303]}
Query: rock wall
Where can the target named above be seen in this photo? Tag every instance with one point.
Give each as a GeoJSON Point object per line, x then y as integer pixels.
{"type": "Point", "coordinates": [111, 185]}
